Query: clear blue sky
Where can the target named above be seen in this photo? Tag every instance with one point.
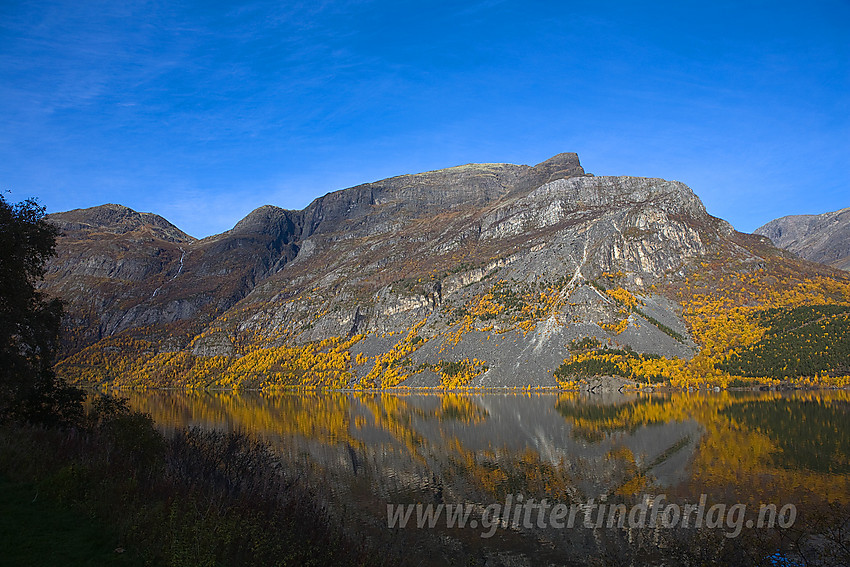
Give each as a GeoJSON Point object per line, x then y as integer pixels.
{"type": "Point", "coordinates": [202, 111]}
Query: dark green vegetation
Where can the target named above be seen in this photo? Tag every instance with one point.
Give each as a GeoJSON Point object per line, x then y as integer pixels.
{"type": "Point", "coordinates": [605, 361]}
{"type": "Point", "coordinates": [192, 498]}
{"type": "Point", "coordinates": [453, 368]}
{"type": "Point", "coordinates": [802, 341]}
{"type": "Point", "coordinates": [809, 444]}
{"type": "Point", "coordinates": [510, 299]}
{"type": "Point", "coordinates": [35, 531]}
{"type": "Point", "coordinates": [584, 344]}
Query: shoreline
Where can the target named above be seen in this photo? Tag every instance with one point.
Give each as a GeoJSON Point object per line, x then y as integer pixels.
{"type": "Point", "coordinates": [597, 389]}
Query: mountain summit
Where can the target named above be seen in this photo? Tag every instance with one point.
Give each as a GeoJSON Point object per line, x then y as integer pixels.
{"type": "Point", "coordinates": [117, 220]}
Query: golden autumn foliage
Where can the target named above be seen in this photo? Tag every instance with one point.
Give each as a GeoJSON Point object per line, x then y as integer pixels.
{"type": "Point", "coordinates": [615, 328]}
{"type": "Point", "coordinates": [324, 363]}
{"type": "Point", "coordinates": [623, 296]}
{"type": "Point", "coordinates": [743, 433]}
{"type": "Point", "coordinates": [723, 315]}
{"type": "Point", "coordinates": [506, 307]}
{"type": "Point", "coordinates": [458, 374]}
{"type": "Point", "coordinates": [392, 368]}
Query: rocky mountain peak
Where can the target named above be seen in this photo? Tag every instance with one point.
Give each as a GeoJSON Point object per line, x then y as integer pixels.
{"type": "Point", "coordinates": [560, 166]}
{"type": "Point", "coordinates": [117, 219]}
{"type": "Point", "coordinates": [269, 220]}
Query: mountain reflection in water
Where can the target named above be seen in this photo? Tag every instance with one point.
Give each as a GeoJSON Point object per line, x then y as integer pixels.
{"type": "Point", "coordinates": [360, 452]}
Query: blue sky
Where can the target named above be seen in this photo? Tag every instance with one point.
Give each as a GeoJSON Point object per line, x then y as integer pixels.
{"type": "Point", "coordinates": [202, 111]}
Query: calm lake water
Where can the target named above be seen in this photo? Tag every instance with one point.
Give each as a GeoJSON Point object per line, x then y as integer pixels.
{"type": "Point", "coordinates": [361, 452]}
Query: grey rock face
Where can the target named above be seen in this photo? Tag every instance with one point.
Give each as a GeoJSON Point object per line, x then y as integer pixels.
{"type": "Point", "coordinates": [374, 207]}
{"type": "Point", "coordinates": [572, 229]}
{"type": "Point", "coordinates": [820, 238]}
{"type": "Point", "coordinates": [380, 257]}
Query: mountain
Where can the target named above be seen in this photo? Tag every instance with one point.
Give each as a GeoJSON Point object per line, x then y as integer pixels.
{"type": "Point", "coordinates": [120, 270]}
{"type": "Point", "coordinates": [483, 275]}
{"type": "Point", "coordinates": [820, 238]}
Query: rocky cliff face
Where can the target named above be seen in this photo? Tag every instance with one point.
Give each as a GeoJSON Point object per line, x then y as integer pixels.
{"type": "Point", "coordinates": [820, 238]}
{"type": "Point", "coordinates": [120, 270]}
{"type": "Point", "coordinates": [484, 271]}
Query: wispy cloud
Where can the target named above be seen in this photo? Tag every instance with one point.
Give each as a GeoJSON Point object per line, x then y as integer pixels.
{"type": "Point", "coordinates": [226, 106]}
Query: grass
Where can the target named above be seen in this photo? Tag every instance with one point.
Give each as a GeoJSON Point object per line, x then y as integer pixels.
{"type": "Point", "coordinates": [35, 530]}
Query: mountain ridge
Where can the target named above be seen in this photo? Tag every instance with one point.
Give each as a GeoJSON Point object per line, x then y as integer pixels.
{"type": "Point", "coordinates": [477, 275]}
{"type": "Point", "coordinates": [823, 238]}
{"type": "Point", "coordinates": [259, 245]}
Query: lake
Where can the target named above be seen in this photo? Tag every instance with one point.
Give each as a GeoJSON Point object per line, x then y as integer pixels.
{"type": "Point", "coordinates": [556, 478]}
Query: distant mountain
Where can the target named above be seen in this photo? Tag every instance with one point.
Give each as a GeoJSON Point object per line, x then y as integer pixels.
{"type": "Point", "coordinates": [477, 275]}
{"type": "Point", "coordinates": [820, 238]}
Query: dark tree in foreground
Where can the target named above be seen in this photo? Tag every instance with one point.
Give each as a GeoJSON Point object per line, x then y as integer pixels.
{"type": "Point", "coordinates": [29, 323]}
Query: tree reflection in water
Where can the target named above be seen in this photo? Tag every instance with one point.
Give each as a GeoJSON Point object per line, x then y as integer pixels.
{"type": "Point", "coordinates": [360, 452]}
